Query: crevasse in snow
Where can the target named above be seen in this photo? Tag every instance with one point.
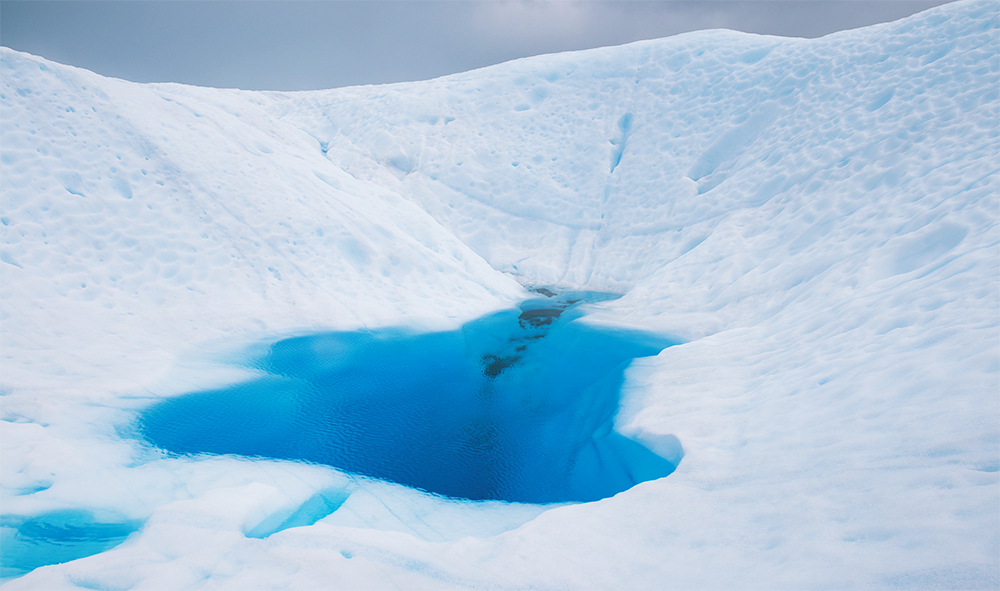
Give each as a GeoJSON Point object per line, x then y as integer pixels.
{"type": "Point", "coordinates": [816, 221]}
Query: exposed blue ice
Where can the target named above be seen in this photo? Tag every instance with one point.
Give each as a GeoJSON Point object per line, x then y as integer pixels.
{"type": "Point", "coordinates": [315, 508]}
{"type": "Point", "coordinates": [517, 406]}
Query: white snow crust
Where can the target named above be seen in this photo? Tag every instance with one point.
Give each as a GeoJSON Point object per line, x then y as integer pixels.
{"type": "Point", "coordinates": [817, 220]}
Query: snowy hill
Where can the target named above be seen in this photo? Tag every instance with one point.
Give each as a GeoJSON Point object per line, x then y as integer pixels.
{"type": "Point", "coordinates": [817, 220]}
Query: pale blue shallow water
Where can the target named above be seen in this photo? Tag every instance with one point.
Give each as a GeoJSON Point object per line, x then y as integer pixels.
{"type": "Point", "coordinates": [515, 406]}
{"type": "Point", "coordinates": [27, 543]}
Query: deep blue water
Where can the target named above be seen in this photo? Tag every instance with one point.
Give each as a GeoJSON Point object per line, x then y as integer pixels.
{"type": "Point", "coordinates": [514, 406]}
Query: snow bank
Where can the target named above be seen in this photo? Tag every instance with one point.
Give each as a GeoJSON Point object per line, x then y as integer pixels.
{"type": "Point", "coordinates": [817, 219]}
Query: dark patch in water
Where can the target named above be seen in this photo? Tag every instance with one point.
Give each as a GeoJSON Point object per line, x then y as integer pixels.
{"type": "Point", "coordinates": [539, 317]}
{"type": "Point", "coordinates": [544, 292]}
{"type": "Point", "coordinates": [517, 406]}
{"type": "Point", "coordinates": [494, 364]}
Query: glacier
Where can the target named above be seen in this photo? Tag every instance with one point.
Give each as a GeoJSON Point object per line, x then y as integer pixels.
{"type": "Point", "coordinates": [815, 222]}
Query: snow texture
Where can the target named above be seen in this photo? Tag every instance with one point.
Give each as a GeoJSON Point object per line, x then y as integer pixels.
{"type": "Point", "coordinates": [815, 220]}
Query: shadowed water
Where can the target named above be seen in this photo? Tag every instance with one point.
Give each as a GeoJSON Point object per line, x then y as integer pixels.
{"type": "Point", "coordinates": [515, 406]}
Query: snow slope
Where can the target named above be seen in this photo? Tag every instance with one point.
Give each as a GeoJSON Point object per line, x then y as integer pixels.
{"type": "Point", "coordinates": [816, 219]}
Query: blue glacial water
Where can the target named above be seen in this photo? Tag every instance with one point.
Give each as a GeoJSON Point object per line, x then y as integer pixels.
{"type": "Point", "coordinates": [27, 543]}
{"type": "Point", "coordinates": [515, 406]}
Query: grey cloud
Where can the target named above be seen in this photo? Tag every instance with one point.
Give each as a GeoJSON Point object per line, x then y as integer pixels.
{"type": "Point", "coordinates": [311, 45]}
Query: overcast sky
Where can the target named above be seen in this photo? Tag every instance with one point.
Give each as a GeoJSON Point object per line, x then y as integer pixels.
{"type": "Point", "coordinates": [301, 45]}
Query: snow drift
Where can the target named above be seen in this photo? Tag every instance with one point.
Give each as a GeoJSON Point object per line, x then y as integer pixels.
{"type": "Point", "coordinates": [816, 220]}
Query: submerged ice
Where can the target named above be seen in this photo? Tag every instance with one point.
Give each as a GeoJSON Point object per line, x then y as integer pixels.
{"type": "Point", "coordinates": [517, 406]}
